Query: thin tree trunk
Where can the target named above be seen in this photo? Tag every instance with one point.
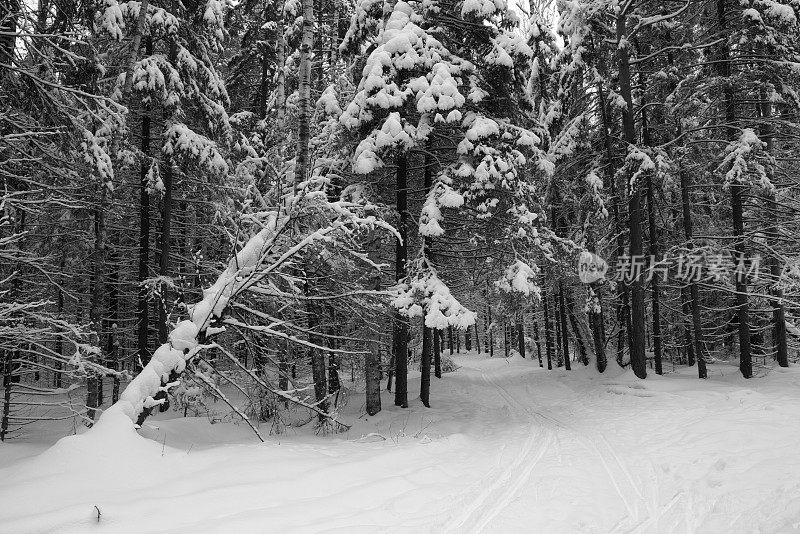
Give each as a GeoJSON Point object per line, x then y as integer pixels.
{"type": "Point", "coordinates": [694, 349]}
{"type": "Point", "coordinates": [93, 383]}
{"type": "Point", "coordinates": [450, 339]}
{"type": "Point", "coordinates": [489, 334]}
{"type": "Point", "coordinates": [401, 257]}
{"type": "Point", "coordinates": [425, 365]}
{"type": "Point", "coordinates": [304, 92]}
{"type": "Point", "coordinates": [316, 356]}
{"type": "Point", "coordinates": [521, 334]}
{"type": "Point", "coordinates": [144, 231]}
{"type": "Point", "coordinates": [113, 344]}
{"type": "Point", "coordinates": [778, 314]}
{"type": "Point", "coordinates": [536, 339]}
{"type": "Point", "coordinates": [637, 312]}
{"type": "Point", "coordinates": [548, 331]}
{"type": "Point", "coordinates": [623, 312]}
{"type": "Point", "coordinates": [654, 255]}
{"type": "Point", "coordinates": [564, 337]}
{"type": "Point", "coordinates": [372, 373]}
{"type": "Point", "coordinates": [737, 190]}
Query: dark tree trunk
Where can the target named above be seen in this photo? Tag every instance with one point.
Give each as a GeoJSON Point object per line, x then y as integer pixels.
{"type": "Point", "coordinates": [521, 334]}
{"type": "Point", "coordinates": [94, 395]}
{"type": "Point", "coordinates": [425, 365]}
{"type": "Point", "coordinates": [450, 339]}
{"type": "Point", "coordinates": [564, 336]}
{"type": "Point", "coordinates": [401, 257]}
{"type": "Point", "coordinates": [576, 329]}
{"type": "Point", "coordinates": [637, 312]}
{"type": "Point", "coordinates": [437, 353]}
{"type": "Point", "coordinates": [651, 223]}
{"type": "Point", "coordinates": [467, 340]}
{"type": "Point", "coordinates": [437, 356]}
{"type": "Point", "coordinates": [113, 345]}
{"type": "Point", "coordinates": [372, 372]}
{"type": "Point", "coordinates": [488, 326]}
{"type": "Point", "coordinates": [8, 371]}
{"type": "Point", "coordinates": [778, 313]}
{"type": "Point", "coordinates": [536, 339]}
{"type": "Point", "coordinates": [694, 340]}
{"type": "Point", "coordinates": [316, 356]}
{"type": "Point", "coordinates": [623, 313]}
{"type": "Point", "coordinates": [166, 222]}
{"type": "Point", "coordinates": [737, 191]}
{"type": "Point", "coordinates": [548, 339]}
{"type": "Point", "coordinates": [144, 231]}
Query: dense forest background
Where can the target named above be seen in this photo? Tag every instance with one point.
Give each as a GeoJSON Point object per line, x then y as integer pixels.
{"type": "Point", "coordinates": [335, 191]}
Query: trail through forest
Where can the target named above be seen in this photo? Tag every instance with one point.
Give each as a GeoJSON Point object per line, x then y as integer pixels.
{"type": "Point", "coordinates": [506, 447]}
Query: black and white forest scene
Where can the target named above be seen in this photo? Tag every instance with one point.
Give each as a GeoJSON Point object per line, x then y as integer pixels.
{"type": "Point", "coordinates": [400, 266]}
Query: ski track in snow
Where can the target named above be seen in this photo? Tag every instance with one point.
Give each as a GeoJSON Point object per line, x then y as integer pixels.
{"type": "Point", "coordinates": [504, 488]}
{"type": "Point", "coordinates": [507, 447]}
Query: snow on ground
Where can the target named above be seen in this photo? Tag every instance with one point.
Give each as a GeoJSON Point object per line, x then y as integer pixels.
{"type": "Point", "coordinates": [508, 447]}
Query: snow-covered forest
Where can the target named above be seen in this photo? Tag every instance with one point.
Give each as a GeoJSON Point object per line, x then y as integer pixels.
{"type": "Point", "coordinates": [400, 265]}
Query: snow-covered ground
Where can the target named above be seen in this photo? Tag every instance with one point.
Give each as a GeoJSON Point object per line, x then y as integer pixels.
{"type": "Point", "coordinates": [507, 447]}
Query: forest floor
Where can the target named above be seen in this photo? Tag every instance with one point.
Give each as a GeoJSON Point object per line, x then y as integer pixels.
{"type": "Point", "coordinates": [507, 447]}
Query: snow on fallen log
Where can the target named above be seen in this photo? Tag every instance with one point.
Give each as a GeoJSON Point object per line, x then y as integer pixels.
{"type": "Point", "coordinates": [148, 388]}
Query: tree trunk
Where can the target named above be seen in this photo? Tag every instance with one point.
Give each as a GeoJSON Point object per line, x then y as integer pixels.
{"type": "Point", "coordinates": [623, 313]}
{"type": "Point", "coordinates": [637, 312]}
{"type": "Point", "coordinates": [505, 338]}
{"type": "Point", "coordinates": [113, 344]}
{"type": "Point", "coordinates": [372, 373]}
{"type": "Point", "coordinates": [304, 93]}
{"type": "Point", "coordinates": [166, 221]}
{"type": "Point", "coordinates": [737, 190]}
{"type": "Point", "coordinates": [94, 381]}
{"type": "Point", "coordinates": [547, 331]}
{"type": "Point", "coordinates": [425, 365]}
{"type": "Point", "coordinates": [488, 333]}
{"type": "Point", "coordinates": [695, 347]}
{"type": "Point", "coordinates": [144, 231]}
{"type": "Point", "coordinates": [316, 355]}
{"type": "Point", "coordinates": [401, 257]}
{"type": "Point", "coordinates": [450, 339]}
{"type": "Point", "coordinates": [536, 339]}
{"type": "Point", "coordinates": [477, 338]}
{"type": "Point", "coordinates": [564, 337]}
{"type": "Point", "coordinates": [521, 334]}
{"type": "Point", "coordinates": [651, 223]}
{"type": "Point", "coordinates": [778, 314]}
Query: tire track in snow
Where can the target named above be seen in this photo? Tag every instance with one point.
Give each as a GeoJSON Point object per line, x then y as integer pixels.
{"type": "Point", "coordinates": [503, 490]}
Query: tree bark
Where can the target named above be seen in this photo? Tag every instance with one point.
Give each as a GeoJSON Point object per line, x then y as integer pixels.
{"type": "Point", "coordinates": [654, 256]}
{"type": "Point", "coordinates": [372, 372]}
{"type": "Point", "coordinates": [425, 365]}
{"type": "Point", "coordinates": [737, 190]}
{"type": "Point", "coordinates": [637, 312]}
{"type": "Point", "coordinates": [547, 330]}
{"type": "Point", "coordinates": [304, 93]}
{"type": "Point", "coordinates": [778, 313]}
{"type": "Point", "coordinates": [401, 257]}
{"type": "Point", "coordinates": [144, 232]}
{"type": "Point", "coordinates": [564, 337]}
